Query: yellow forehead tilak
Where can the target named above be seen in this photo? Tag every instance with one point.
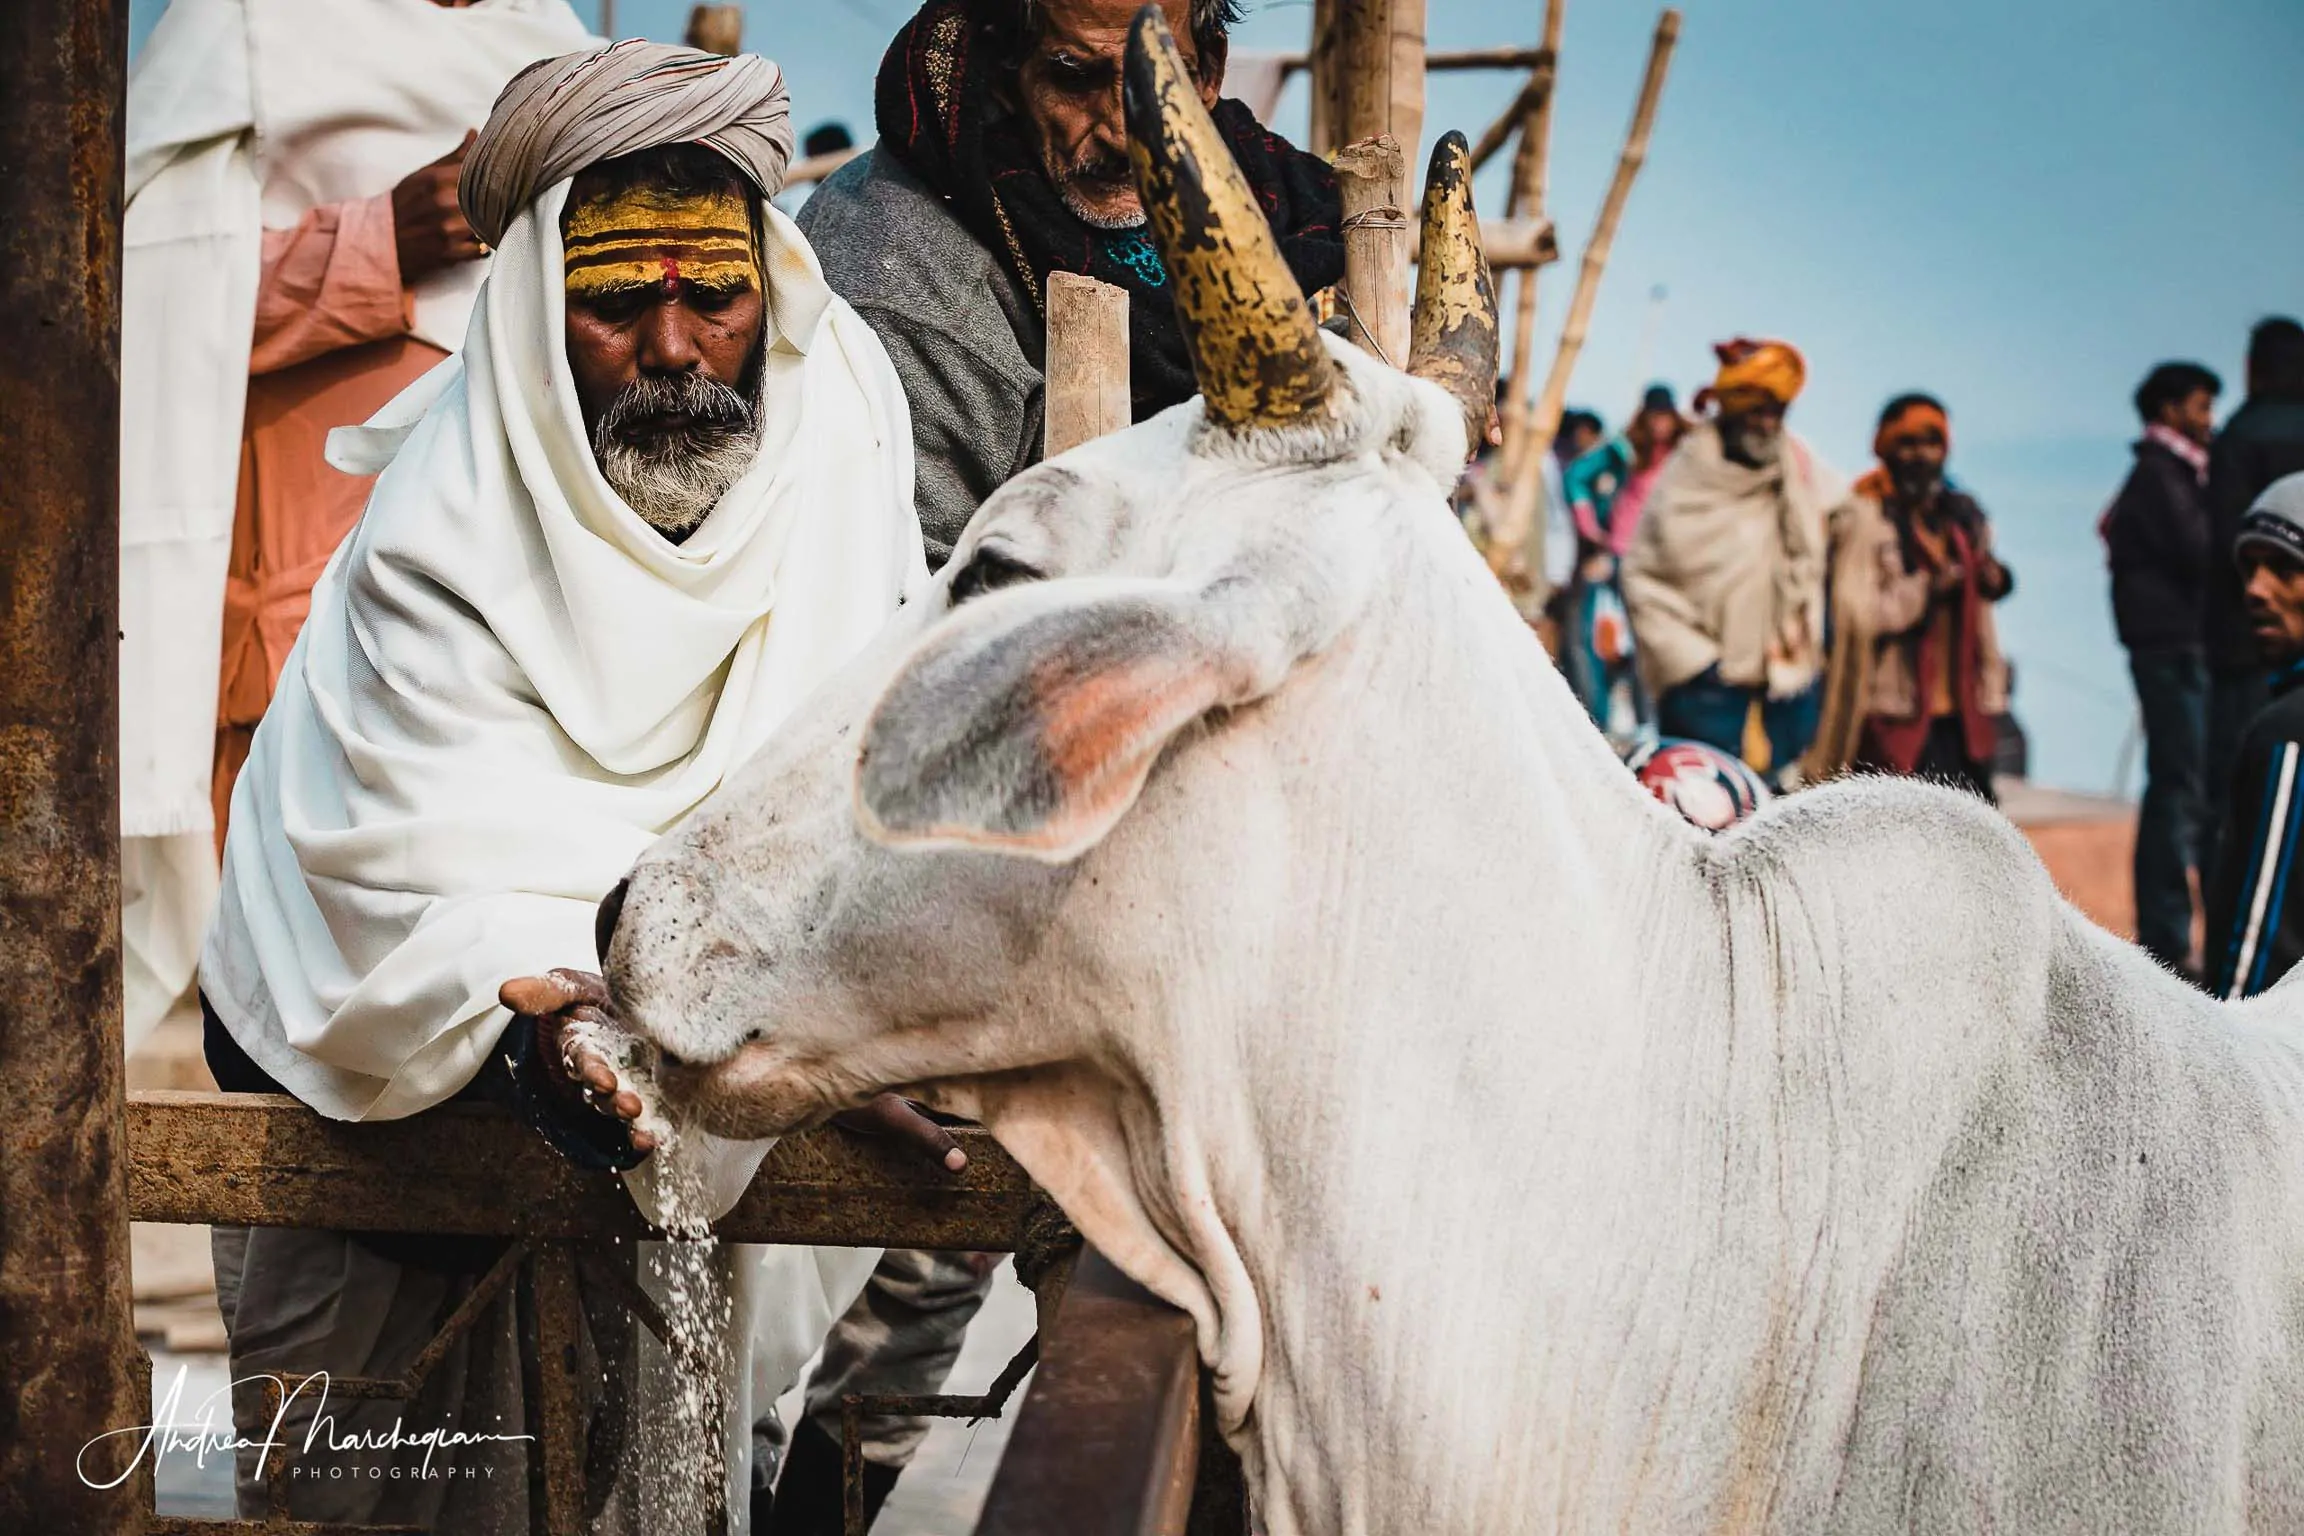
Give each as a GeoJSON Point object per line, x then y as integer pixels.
{"type": "Point", "coordinates": [645, 237]}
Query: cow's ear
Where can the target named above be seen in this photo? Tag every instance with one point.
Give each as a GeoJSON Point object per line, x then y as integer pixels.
{"type": "Point", "coordinates": [1029, 721]}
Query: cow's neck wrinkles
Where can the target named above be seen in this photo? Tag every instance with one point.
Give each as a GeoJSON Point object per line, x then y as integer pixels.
{"type": "Point", "coordinates": [1513, 834]}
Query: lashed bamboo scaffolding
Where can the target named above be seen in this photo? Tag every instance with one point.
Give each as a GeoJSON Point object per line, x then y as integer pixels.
{"type": "Point", "coordinates": [1604, 233]}
{"type": "Point", "coordinates": [1516, 550]}
{"type": "Point", "coordinates": [1507, 542]}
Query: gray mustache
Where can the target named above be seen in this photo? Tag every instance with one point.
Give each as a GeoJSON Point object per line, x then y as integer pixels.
{"type": "Point", "coordinates": [685, 400]}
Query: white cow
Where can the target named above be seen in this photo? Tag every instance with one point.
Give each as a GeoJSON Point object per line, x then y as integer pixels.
{"type": "Point", "coordinates": [1216, 833]}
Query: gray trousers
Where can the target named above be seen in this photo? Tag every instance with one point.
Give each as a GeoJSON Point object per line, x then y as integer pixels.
{"type": "Point", "coordinates": [298, 1301]}
{"type": "Point", "coordinates": [900, 1337]}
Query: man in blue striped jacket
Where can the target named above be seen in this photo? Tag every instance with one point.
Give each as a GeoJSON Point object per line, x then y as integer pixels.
{"type": "Point", "coordinates": [2255, 914]}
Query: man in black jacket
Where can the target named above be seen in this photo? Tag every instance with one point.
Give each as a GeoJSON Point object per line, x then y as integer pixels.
{"type": "Point", "coordinates": [2263, 441]}
{"type": "Point", "coordinates": [2157, 536]}
{"type": "Point", "coordinates": [2255, 933]}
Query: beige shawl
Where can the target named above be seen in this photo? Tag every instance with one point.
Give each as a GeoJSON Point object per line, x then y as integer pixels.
{"type": "Point", "coordinates": [1728, 567]}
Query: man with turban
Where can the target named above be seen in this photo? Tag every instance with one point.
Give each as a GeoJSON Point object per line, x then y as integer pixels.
{"type": "Point", "coordinates": [294, 259]}
{"type": "Point", "coordinates": [1916, 683]}
{"type": "Point", "coordinates": [1003, 158]}
{"type": "Point", "coordinates": [664, 489]}
{"type": "Point", "coordinates": [1725, 578]}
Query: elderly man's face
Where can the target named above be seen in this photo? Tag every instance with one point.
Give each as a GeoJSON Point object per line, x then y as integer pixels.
{"type": "Point", "coordinates": [1751, 427]}
{"type": "Point", "coordinates": [1069, 88]}
{"type": "Point", "coordinates": [663, 359]}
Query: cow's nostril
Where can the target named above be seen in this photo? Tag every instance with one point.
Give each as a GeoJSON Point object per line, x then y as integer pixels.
{"type": "Point", "coordinates": [604, 921]}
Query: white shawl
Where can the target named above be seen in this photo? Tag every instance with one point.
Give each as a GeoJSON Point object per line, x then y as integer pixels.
{"type": "Point", "coordinates": [243, 114]}
{"type": "Point", "coordinates": [510, 684]}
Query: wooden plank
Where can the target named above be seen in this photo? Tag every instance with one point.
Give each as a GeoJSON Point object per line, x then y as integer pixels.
{"type": "Point", "coordinates": [1087, 361]}
{"type": "Point", "coordinates": [266, 1160]}
{"type": "Point", "coordinates": [1106, 1443]}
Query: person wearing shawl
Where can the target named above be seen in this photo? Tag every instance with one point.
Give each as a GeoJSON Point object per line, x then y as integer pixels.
{"type": "Point", "coordinates": [663, 490]}
{"type": "Point", "coordinates": [294, 258]}
{"type": "Point", "coordinates": [1003, 158]}
{"type": "Point", "coordinates": [1725, 577]}
{"type": "Point", "coordinates": [1917, 683]}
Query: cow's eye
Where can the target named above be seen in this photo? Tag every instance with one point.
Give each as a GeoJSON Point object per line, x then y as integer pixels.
{"type": "Point", "coordinates": [988, 570]}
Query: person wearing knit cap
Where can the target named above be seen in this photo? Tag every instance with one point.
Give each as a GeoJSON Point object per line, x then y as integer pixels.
{"type": "Point", "coordinates": [1916, 682]}
{"type": "Point", "coordinates": [2255, 930]}
{"type": "Point", "coordinates": [1725, 577]}
{"type": "Point", "coordinates": [661, 491]}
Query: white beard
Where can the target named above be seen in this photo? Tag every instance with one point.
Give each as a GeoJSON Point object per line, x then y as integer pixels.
{"type": "Point", "coordinates": [676, 481]}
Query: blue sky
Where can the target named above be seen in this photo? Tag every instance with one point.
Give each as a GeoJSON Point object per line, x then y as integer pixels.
{"type": "Point", "coordinates": [2019, 205]}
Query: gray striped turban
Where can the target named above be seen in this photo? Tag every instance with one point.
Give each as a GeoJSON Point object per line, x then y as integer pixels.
{"type": "Point", "coordinates": [560, 115]}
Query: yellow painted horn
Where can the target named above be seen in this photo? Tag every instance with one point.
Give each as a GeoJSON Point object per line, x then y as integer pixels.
{"type": "Point", "coordinates": [1255, 346]}
{"type": "Point", "coordinates": [1452, 340]}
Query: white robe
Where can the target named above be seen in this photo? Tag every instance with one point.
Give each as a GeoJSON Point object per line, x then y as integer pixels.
{"type": "Point", "coordinates": [509, 685]}
{"type": "Point", "coordinates": [242, 115]}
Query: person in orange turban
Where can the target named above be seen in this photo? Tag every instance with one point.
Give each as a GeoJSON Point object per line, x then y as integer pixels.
{"type": "Point", "coordinates": [1917, 683]}
{"type": "Point", "coordinates": [1725, 579]}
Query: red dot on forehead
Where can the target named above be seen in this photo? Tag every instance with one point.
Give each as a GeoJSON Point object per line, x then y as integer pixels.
{"type": "Point", "coordinates": [671, 266]}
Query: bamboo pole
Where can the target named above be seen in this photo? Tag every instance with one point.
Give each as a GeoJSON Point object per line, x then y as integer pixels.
{"type": "Point", "coordinates": [1508, 543]}
{"type": "Point", "coordinates": [1514, 118]}
{"type": "Point", "coordinates": [1628, 165]}
{"type": "Point", "coordinates": [1379, 74]}
{"type": "Point", "coordinates": [1087, 393]}
{"type": "Point", "coordinates": [1371, 174]}
{"type": "Point", "coordinates": [1326, 63]}
{"type": "Point", "coordinates": [1446, 61]}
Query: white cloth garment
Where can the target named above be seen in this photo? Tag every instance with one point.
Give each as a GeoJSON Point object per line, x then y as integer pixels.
{"type": "Point", "coordinates": [509, 685]}
{"type": "Point", "coordinates": [244, 114]}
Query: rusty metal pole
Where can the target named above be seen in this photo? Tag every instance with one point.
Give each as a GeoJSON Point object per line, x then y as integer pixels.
{"type": "Point", "coordinates": [69, 1367]}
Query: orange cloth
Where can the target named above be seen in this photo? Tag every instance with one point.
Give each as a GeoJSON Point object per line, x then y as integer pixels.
{"type": "Point", "coordinates": [1915, 417]}
{"type": "Point", "coordinates": [331, 347]}
{"type": "Point", "coordinates": [1773, 369]}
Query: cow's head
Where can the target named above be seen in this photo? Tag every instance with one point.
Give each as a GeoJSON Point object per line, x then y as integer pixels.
{"type": "Point", "coordinates": [1044, 816]}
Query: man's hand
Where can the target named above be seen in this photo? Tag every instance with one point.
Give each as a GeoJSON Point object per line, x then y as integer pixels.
{"type": "Point", "coordinates": [555, 1000]}
{"type": "Point", "coordinates": [889, 1115]}
{"type": "Point", "coordinates": [428, 228]}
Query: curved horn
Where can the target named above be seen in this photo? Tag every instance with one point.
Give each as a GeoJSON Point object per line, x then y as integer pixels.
{"type": "Point", "coordinates": [1452, 340]}
{"type": "Point", "coordinates": [1255, 346]}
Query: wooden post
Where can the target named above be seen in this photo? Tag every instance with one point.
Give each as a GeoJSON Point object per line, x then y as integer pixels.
{"type": "Point", "coordinates": [1087, 361]}
{"type": "Point", "coordinates": [1628, 164]}
{"type": "Point", "coordinates": [1373, 179]}
{"type": "Point", "coordinates": [1516, 547]}
{"type": "Point", "coordinates": [717, 29]}
{"type": "Point", "coordinates": [1380, 71]}
{"type": "Point", "coordinates": [70, 1370]}
{"type": "Point", "coordinates": [1327, 61]}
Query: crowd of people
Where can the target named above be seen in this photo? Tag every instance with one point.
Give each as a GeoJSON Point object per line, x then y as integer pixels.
{"type": "Point", "coordinates": [2200, 543]}
{"type": "Point", "coordinates": [1727, 588]}
{"type": "Point", "coordinates": [1721, 586]}
{"type": "Point", "coordinates": [443, 597]}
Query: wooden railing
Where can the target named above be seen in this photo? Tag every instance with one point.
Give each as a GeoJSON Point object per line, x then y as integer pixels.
{"type": "Point", "coordinates": [1110, 1436]}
